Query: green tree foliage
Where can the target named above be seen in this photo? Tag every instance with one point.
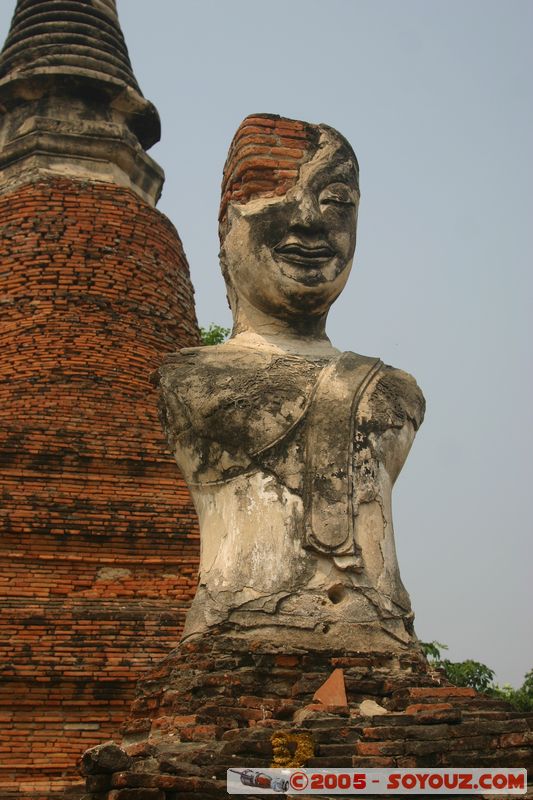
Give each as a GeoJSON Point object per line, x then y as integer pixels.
{"type": "Point", "coordinates": [215, 334]}
{"type": "Point", "coordinates": [521, 699]}
{"type": "Point", "coordinates": [469, 673]}
{"type": "Point", "coordinates": [479, 677]}
{"type": "Point", "coordinates": [432, 651]}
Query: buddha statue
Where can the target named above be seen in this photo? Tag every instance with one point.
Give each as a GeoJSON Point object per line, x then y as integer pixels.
{"type": "Point", "coordinates": [290, 448]}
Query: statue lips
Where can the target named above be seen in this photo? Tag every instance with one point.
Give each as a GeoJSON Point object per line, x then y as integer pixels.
{"type": "Point", "coordinates": [303, 254]}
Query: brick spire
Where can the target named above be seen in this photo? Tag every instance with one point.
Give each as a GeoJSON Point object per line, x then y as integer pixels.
{"type": "Point", "coordinates": [98, 543]}
{"type": "Point", "coordinates": [69, 92]}
{"type": "Point", "coordinates": [67, 36]}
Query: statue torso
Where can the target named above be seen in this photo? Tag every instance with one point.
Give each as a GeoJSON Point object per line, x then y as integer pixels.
{"type": "Point", "coordinates": [296, 457]}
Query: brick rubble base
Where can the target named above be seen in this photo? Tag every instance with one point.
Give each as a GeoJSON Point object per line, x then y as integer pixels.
{"type": "Point", "coordinates": [216, 703]}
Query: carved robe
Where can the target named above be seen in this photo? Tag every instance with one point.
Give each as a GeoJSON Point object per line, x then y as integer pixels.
{"type": "Point", "coordinates": [290, 462]}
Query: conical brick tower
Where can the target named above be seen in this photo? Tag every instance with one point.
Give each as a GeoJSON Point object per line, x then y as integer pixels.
{"type": "Point", "coordinates": [98, 546]}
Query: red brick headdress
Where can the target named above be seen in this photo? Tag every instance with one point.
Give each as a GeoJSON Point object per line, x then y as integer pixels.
{"type": "Point", "coordinates": [265, 157]}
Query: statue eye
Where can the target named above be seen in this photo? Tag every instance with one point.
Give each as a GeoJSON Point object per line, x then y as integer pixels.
{"type": "Point", "coordinates": [338, 194]}
{"type": "Point", "coordinates": [336, 201]}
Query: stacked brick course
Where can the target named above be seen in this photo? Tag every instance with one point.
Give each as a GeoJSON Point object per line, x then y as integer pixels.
{"type": "Point", "coordinates": [264, 158]}
{"type": "Point", "coordinates": [99, 538]}
{"type": "Point", "coordinates": [215, 704]}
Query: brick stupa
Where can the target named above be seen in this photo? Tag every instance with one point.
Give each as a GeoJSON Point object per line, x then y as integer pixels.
{"type": "Point", "coordinates": [99, 538]}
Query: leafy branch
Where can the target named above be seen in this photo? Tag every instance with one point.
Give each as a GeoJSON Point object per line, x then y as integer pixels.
{"type": "Point", "coordinates": [215, 334]}
{"type": "Point", "coordinates": [479, 677]}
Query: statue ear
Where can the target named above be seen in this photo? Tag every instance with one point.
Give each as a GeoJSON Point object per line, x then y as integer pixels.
{"type": "Point", "coordinates": [224, 223]}
{"type": "Point", "coordinates": [231, 294]}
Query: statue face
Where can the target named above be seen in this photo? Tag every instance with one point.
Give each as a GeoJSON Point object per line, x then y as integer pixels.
{"type": "Point", "coordinates": [291, 255]}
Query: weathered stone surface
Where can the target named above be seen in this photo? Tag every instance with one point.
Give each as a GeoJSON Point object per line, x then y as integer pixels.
{"type": "Point", "coordinates": [369, 708]}
{"type": "Point", "coordinates": [98, 783]}
{"type": "Point", "coordinates": [291, 448]}
{"type": "Point", "coordinates": [136, 794]}
{"type": "Point", "coordinates": [104, 758]}
{"type": "Point", "coordinates": [74, 108]}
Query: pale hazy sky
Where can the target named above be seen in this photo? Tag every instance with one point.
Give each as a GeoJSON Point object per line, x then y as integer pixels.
{"type": "Point", "coordinates": [436, 99]}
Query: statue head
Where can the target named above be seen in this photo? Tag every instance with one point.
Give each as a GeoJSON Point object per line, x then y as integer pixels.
{"type": "Point", "coordinates": [288, 217]}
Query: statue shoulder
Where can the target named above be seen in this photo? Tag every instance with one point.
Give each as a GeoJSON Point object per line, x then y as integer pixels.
{"type": "Point", "coordinates": [176, 368]}
{"type": "Point", "coordinates": [233, 395]}
{"type": "Point", "coordinates": [183, 358]}
{"type": "Point", "coordinates": [396, 398]}
{"type": "Point", "coordinates": [178, 385]}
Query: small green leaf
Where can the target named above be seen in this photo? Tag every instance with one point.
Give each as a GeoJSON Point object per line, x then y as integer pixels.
{"type": "Point", "coordinates": [215, 334]}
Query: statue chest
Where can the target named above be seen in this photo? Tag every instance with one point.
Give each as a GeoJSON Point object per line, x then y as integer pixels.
{"type": "Point", "coordinates": [234, 413]}
{"type": "Point", "coordinates": [291, 418]}
{"type": "Point", "coordinates": [220, 414]}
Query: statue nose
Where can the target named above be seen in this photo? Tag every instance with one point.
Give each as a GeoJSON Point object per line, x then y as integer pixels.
{"type": "Point", "coordinates": [305, 211]}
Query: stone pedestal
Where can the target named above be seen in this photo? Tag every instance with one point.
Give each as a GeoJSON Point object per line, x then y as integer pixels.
{"type": "Point", "coordinates": [218, 702]}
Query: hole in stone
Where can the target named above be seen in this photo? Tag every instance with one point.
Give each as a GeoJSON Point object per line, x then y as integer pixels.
{"type": "Point", "coordinates": [336, 593]}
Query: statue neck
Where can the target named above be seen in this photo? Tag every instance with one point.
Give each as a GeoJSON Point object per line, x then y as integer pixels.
{"type": "Point", "coordinates": [299, 335]}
